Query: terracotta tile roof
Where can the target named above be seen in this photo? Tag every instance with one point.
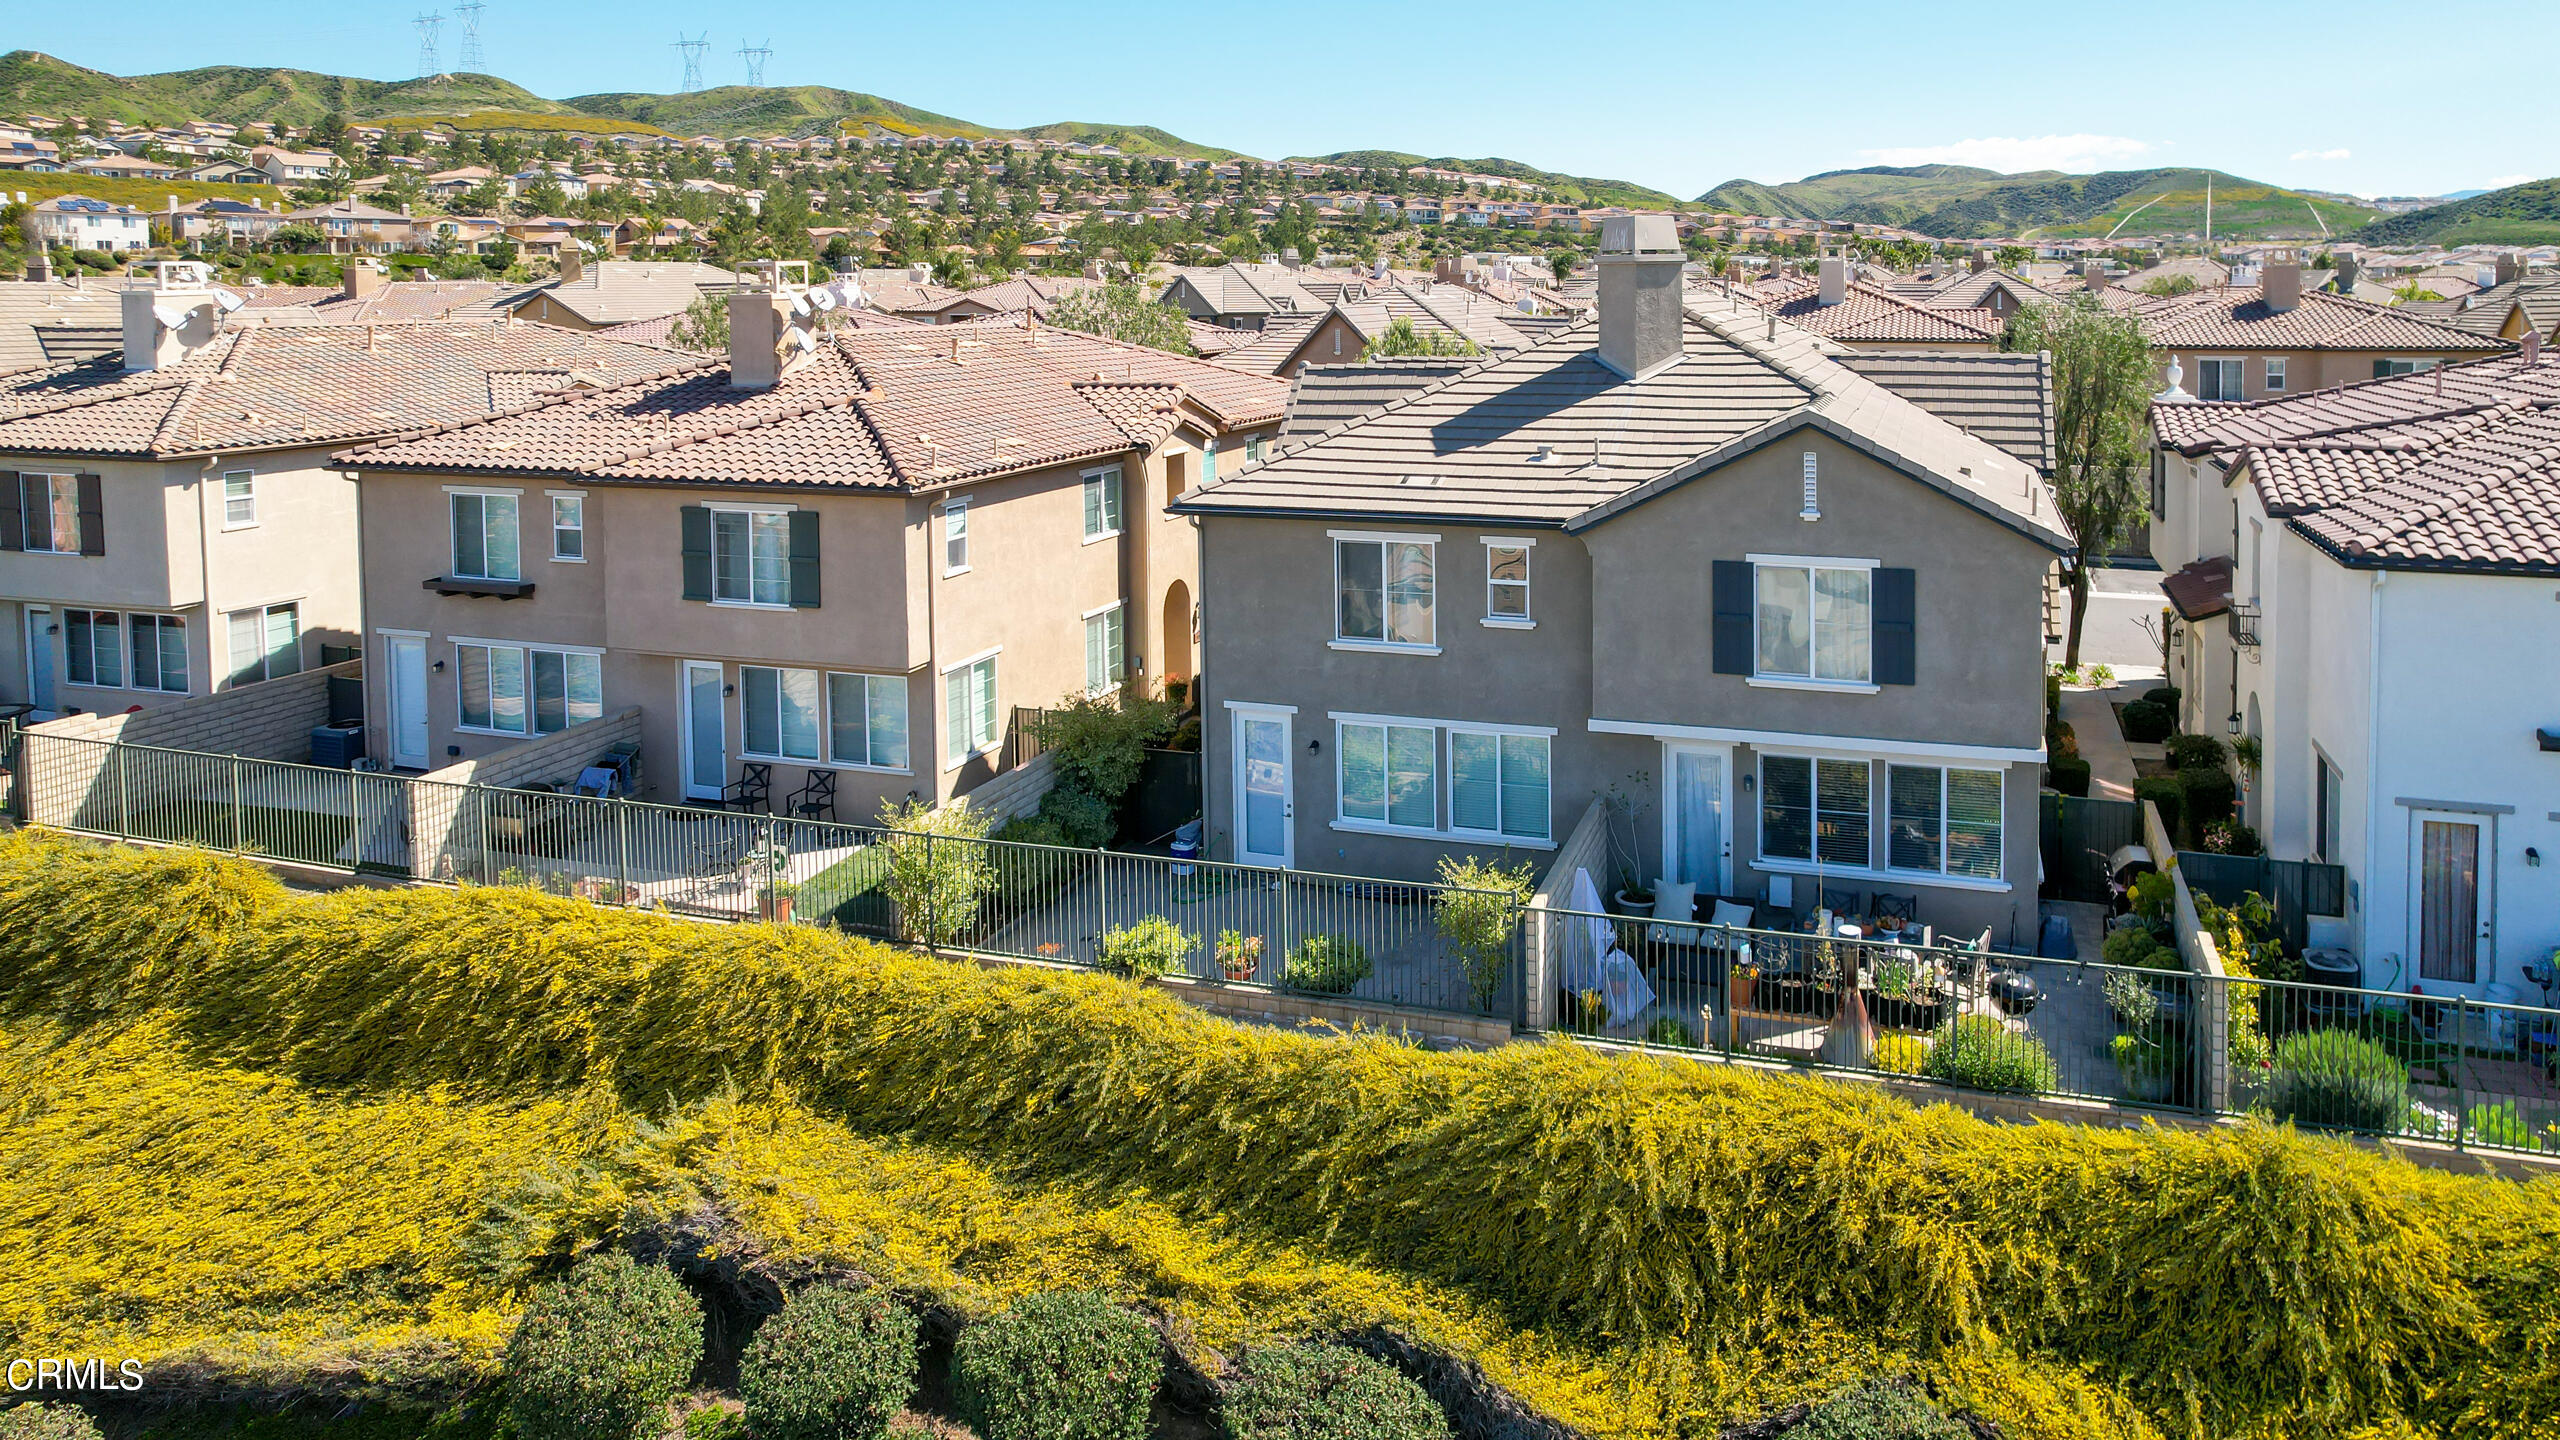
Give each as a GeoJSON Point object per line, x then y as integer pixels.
{"type": "Point", "coordinates": [1034, 293]}
{"type": "Point", "coordinates": [2489, 502]}
{"type": "Point", "coordinates": [907, 407]}
{"type": "Point", "coordinates": [2237, 317]}
{"type": "Point", "coordinates": [1871, 314]}
{"type": "Point", "coordinates": [2201, 589]}
{"type": "Point", "coordinates": [268, 387]}
{"type": "Point", "coordinates": [1211, 341]}
{"type": "Point", "coordinates": [2196, 427]}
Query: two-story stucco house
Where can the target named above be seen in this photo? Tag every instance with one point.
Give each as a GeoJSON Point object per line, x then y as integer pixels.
{"type": "Point", "coordinates": [2365, 584]}
{"type": "Point", "coordinates": [2250, 342]}
{"type": "Point", "coordinates": [1680, 556]}
{"type": "Point", "coordinates": [849, 551]}
{"type": "Point", "coordinates": [170, 520]}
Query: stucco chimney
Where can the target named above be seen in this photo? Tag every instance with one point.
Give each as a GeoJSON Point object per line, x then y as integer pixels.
{"type": "Point", "coordinates": [2094, 275]}
{"type": "Point", "coordinates": [1640, 319]}
{"type": "Point", "coordinates": [1834, 281]}
{"type": "Point", "coordinates": [2280, 281]}
{"type": "Point", "coordinates": [361, 277]}
{"type": "Point", "coordinates": [2531, 347]}
{"type": "Point", "coordinates": [168, 319]}
{"type": "Point", "coordinates": [2348, 270]}
{"type": "Point", "coordinates": [767, 336]}
{"type": "Point", "coordinates": [2509, 267]}
{"type": "Point", "coordinates": [1979, 261]}
{"type": "Point", "coordinates": [573, 262]}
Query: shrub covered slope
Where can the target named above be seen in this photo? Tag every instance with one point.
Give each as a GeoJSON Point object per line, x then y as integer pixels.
{"type": "Point", "coordinates": [1640, 1246]}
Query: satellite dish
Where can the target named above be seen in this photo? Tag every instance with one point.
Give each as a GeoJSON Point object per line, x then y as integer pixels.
{"type": "Point", "coordinates": [229, 300]}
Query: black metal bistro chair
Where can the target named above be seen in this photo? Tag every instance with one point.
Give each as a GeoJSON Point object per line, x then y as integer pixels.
{"type": "Point", "coordinates": [815, 798]}
{"type": "Point", "coordinates": [751, 791]}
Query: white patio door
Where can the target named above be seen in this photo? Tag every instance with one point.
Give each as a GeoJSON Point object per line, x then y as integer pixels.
{"type": "Point", "coordinates": [706, 747]}
{"type": "Point", "coordinates": [1695, 836]}
{"type": "Point", "coordinates": [2450, 912]}
{"type": "Point", "coordinates": [40, 657]}
{"type": "Point", "coordinates": [1263, 811]}
{"type": "Point", "coordinates": [408, 701]}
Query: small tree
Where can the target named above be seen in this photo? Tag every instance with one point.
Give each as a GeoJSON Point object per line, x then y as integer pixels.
{"type": "Point", "coordinates": [2011, 257]}
{"type": "Point", "coordinates": [939, 868]}
{"type": "Point", "coordinates": [1561, 264]}
{"type": "Point", "coordinates": [703, 327]}
{"type": "Point", "coordinates": [1478, 914]}
{"type": "Point", "coordinates": [2101, 392]}
{"type": "Point", "coordinates": [1123, 312]}
{"type": "Point", "coordinates": [1403, 338]}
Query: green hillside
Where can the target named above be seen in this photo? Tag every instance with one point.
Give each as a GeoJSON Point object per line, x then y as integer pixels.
{"type": "Point", "coordinates": [243, 95]}
{"type": "Point", "coordinates": [1130, 139]}
{"type": "Point", "coordinates": [1578, 189]}
{"type": "Point", "coordinates": [2527, 214]}
{"type": "Point", "coordinates": [772, 110]}
{"type": "Point", "coordinates": [1962, 202]}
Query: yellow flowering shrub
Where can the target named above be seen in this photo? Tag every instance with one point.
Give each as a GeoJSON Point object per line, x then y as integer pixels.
{"type": "Point", "coordinates": [1641, 1245]}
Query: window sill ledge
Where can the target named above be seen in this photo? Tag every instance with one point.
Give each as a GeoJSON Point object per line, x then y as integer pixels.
{"type": "Point", "coordinates": [1440, 837]}
{"type": "Point", "coordinates": [479, 589]}
{"type": "Point", "coordinates": [1372, 647]}
{"type": "Point", "coordinates": [1835, 687]}
{"type": "Point", "coordinates": [1492, 622]}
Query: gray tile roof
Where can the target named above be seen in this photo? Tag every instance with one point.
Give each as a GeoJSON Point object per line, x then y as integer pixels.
{"type": "Point", "coordinates": [1323, 396]}
{"type": "Point", "coordinates": [614, 292]}
{"type": "Point", "coordinates": [29, 309]}
{"type": "Point", "coordinates": [1552, 437]}
{"type": "Point", "coordinates": [2006, 399]}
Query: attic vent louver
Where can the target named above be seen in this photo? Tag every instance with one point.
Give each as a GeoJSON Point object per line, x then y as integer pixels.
{"type": "Point", "coordinates": [1812, 488]}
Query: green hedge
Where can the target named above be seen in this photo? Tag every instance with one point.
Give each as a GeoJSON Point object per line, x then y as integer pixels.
{"type": "Point", "coordinates": [2243, 1280]}
{"type": "Point", "coordinates": [836, 1364]}
{"type": "Point", "coordinates": [601, 1351]}
{"type": "Point", "coordinates": [1062, 1366]}
{"type": "Point", "coordinates": [47, 1422]}
{"type": "Point", "coordinates": [1326, 1392]}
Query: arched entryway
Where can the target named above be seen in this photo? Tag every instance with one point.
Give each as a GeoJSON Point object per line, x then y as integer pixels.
{"type": "Point", "coordinates": [1175, 634]}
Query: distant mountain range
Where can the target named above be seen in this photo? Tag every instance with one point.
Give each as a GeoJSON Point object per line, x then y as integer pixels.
{"type": "Point", "coordinates": [2527, 214]}
{"type": "Point", "coordinates": [1962, 202]}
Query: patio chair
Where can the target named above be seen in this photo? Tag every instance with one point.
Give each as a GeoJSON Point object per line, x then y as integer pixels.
{"type": "Point", "coordinates": [751, 791]}
{"type": "Point", "coordinates": [1904, 908]}
{"type": "Point", "coordinates": [815, 798]}
{"type": "Point", "coordinates": [1843, 904]}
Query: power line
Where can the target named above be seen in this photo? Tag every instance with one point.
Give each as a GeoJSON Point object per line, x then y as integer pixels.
{"type": "Point", "coordinates": [692, 60]}
{"type": "Point", "coordinates": [473, 61]}
{"type": "Point", "coordinates": [755, 56]}
{"type": "Point", "coordinates": [429, 27]}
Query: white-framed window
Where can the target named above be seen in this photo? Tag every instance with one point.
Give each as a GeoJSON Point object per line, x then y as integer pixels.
{"type": "Point", "coordinates": [569, 527]}
{"type": "Point", "coordinates": [485, 536]}
{"type": "Point", "coordinates": [266, 642]}
{"type": "Point", "coordinates": [1815, 622]}
{"type": "Point", "coordinates": [1253, 444]}
{"type": "Point", "coordinates": [867, 721]}
{"type": "Point", "coordinates": [159, 653]}
{"type": "Point", "coordinates": [1815, 810]}
{"type": "Point", "coordinates": [955, 535]}
{"type": "Point", "coordinates": [1209, 461]}
{"type": "Point", "coordinates": [1387, 775]}
{"type": "Point", "coordinates": [2275, 374]}
{"type": "Point", "coordinates": [93, 648]}
{"type": "Point", "coordinates": [1942, 820]}
{"type": "Point", "coordinates": [522, 690]}
{"type": "Point", "coordinates": [1383, 590]}
{"type": "Point", "coordinates": [2400, 366]}
{"type": "Point", "coordinates": [1499, 785]}
{"type": "Point", "coordinates": [1506, 581]}
{"type": "Point", "coordinates": [779, 712]}
{"type": "Point", "coordinates": [50, 509]}
{"type": "Point", "coordinates": [969, 709]}
{"type": "Point", "coordinates": [2222, 377]}
{"type": "Point", "coordinates": [1102, 503]}
{"type": "Point", "coordinates": [239, 499]}
{"type": "Point", "coordinates": [750, 557]}
{"type": "Point", "coordinates": [1106, 653]}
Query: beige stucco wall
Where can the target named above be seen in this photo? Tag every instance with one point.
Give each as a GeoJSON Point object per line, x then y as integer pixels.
{"type": "Point", "coordinates": [2305, 370]}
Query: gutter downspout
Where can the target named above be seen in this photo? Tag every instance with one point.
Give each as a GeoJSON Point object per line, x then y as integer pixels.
{"type": "Point", "coordinates": [204, 574]}
{"type": "Point", "coordinates": [2372, 773]}
{"type": "Point", "coordinates": [1211, 740]}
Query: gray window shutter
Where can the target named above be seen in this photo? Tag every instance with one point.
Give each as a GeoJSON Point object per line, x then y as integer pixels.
{"type": "Point", "coordinates": [13, 522]}
{"type": "Point", "coordinates": [804, 559]}
{"type": "Point", "coordinates": [1732, 617]}
{"type": "Point", "coordinates": [93, 515]}
{"type": "Point", "coordinates": [697, 552]}
{"type": "Point", "coordinates": [1897, 651]}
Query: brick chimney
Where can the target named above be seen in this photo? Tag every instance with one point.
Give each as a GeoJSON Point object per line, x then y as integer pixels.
{"type": "Point", "coordinates": [1640, 317]}
{"type": "Point", "coordinates": [1834, 281]}
{"type": "Point", "coordinates": [2280, 280]}
{"type": "Point", "coordinates": [361, 277]}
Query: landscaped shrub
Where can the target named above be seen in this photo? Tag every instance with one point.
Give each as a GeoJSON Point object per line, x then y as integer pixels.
{"type": "Point", "coordinates": [1325, 1392]}
{"type": "Point", "coordinates": [2505, 1126]}
{"type": "Point", "coordinates": [601, 1351]}
{"type": "Point", "coordinates": [2165, 795]}
{"type": "Point", "coordinates": [1979, 1051]}
{"type": "Point", "coordinates": [836, 1364]}
{"type": "Point", "coordinates": [2189, 752]}
{"type": "Point", "coordinates": [2207, 795]}
{"type": "Point", "coordinates": [2136, 945]}
{"type": "Point", "coordinates": [1066, 1366]}
{"type": "Point", "coordinates": [1326, 965]}
{"type": "Point", "coordinates": [2147, 724]}
{"type": "Point", "coordinates": [1917, 1237]}
{"type": "Point", "coordinates": [47, 1422]}
{"type": "Point", "coordinates": [1670, 1030]}
{"type": "Point", "coordinates": [2230, 837]}
{"type": "Point", "coordinates": [2337, 1077]}
{"type": "Point", "coordinates": [2164, 696]}
{"type": "Point", "coordinates": [938, 872]}
{"type": "Point", "coordinates": [1479, 915]}
{"type": "Point", "coordinates": [1099, 742]}
{"type": "Point", "coordinates": [1878, 1409]}
{"type": "Point", "coordinates": [1901, 1054]}
{"type": "Point", "coordinates": [1082, 819]}
{"type": "Point", "coordinates": [1152, 947]}
{"type": "Point", "coordinates": [2068, 774]}
{"type": "Point", "coordinates": [2065, 739]}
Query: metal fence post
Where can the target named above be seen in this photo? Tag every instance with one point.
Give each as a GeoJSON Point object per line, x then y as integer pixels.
{"type": "Point", "coordinates": [124, 799]}
{"type": "Point", "coordinates": [621, 851]}
{"type": "Point", "coordinates": [2461, 1053]}
{"type": "Point", "coordinates": [239, 810]}
{"type": "Point", "coordinates": [480, 805]}
{"type": "Point", "coordinates": [932, 899]}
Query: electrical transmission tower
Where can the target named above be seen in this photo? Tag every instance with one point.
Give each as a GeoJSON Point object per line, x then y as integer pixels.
{"type": "Point", "coordinates": [692, 60]}
{"type": "Point", "coordinates": [473, 61]}
{"type": "Point", "coordinates": [755, 56]}
{"type": "Point", "coordinates": [429, 27]}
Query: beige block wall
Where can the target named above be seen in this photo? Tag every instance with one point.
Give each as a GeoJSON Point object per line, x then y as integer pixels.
{"type": "Point", "coordinates": [272, 720]}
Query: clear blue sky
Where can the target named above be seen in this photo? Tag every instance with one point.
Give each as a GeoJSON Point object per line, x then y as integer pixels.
{"type": "Point", "coordinates": [2367, 98]}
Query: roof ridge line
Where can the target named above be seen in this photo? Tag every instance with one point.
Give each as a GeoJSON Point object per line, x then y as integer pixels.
{"type": "Point", "coordinates": [546, 398]}
{"type": "Point", "coordinates": [1401, 401]}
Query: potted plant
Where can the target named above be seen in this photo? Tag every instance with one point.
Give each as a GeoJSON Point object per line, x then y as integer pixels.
{"type": "Point", "coordinates": [2148, 1068]}
{"type": "Point", "coordinates": [774, 902]}
{"type": "Point", "coordinates": [1239, 954]}
{"type": "Point", "coordinates": [1904, 999]}
{"type": "Point", "coordinates": [1634, 896]}
{"type": "Point", "coordinates": [1745, 985]}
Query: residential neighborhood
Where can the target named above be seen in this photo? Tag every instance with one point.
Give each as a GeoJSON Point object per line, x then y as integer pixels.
{"type": "Point", "coordinates": [707, 743]}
